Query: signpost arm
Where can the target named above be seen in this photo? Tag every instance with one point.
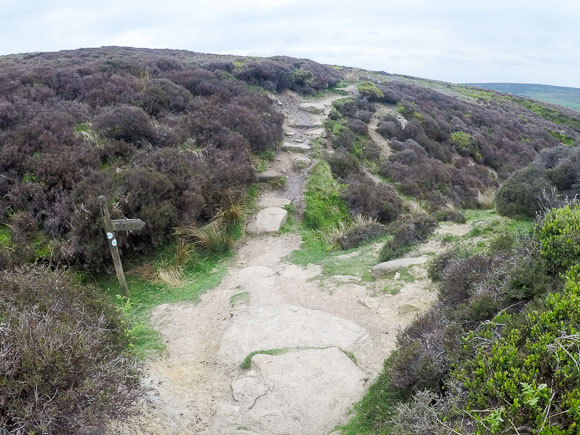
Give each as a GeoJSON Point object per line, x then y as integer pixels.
{"type": "Point", "coordinates": [112, 242]}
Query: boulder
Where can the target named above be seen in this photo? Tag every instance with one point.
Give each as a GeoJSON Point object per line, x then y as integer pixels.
{"type": "Point", "coordinates": [383, 269]}
{"type": "Point", "coordinates": [285, 326]}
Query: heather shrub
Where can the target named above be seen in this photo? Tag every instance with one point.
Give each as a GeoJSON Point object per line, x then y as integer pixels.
{"type": "Point", "coordinates": [63, 347]}
{"type": "Point", "coordinates": [389, 128]}
{"type": "Point", "coordinates": [460, 276]}
{"type": "Point", "coordinates": [358, 127]}
{"type": "Point", "coordinates": [519, 195]}
{"type": "Point", "coordinates": [358, 235]}
{"type": "Point", "coordinates": [151, 197]}
{"type": "Point", "coordinates": [419, 361]}
{"type": "Point", "coordinates": [377, 200]}
{"type": "Point", "coordinates": [162, 95]}
{"type": "Point", "coordinates": [441, 261]}
{"type": "Point", "coordinates": [344, 164]}
{"type": "Point", "coordinates": [407, 234]}
{"type": "Point", "coordinates": [127, 123]}
{"type": "Point", "coordinates": [450, 215]}
{"type": "Point", "coordinates": [344, 140]}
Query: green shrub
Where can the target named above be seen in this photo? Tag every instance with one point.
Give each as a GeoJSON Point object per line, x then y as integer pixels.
{"type": "Point", "coordinates": [371, 91]}
{"type": "Point", "coordinates": [529, 376]}
{"type": "Point", "coordinates": [559, 235]}
{"type": "Point", "coordinates": [63, 353]}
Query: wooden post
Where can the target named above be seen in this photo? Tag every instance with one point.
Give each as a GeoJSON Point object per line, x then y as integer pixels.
{"type": "Point", "coordinates": [112, 242]}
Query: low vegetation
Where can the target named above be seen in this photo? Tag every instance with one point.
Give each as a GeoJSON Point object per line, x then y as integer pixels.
{"type": "Point", "coordinates": [65, 355]}
{"type": "Point", "coordinates": [496, 353]}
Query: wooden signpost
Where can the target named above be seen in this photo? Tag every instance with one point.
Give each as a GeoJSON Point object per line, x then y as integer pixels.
{"type": "Point", "coordinates": [117, 225]}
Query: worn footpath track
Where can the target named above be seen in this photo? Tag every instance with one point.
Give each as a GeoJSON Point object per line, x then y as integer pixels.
{"type": "Point", "coordinates": [317, 342]}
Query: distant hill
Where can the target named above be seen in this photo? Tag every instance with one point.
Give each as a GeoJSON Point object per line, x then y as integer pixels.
{"type": "Point", "coordinates": [564, 96]}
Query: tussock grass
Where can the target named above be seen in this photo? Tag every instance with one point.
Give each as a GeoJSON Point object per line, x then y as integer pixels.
{"type": "Point", "coordinates": [486, 198]}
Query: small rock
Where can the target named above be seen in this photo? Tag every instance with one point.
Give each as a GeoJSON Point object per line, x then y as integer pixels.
{"type": "Point", "coordinates": [346, 278]}
{"type": "Point", "coordinates": [301, 162]}
{"type": "Point", "coordinates": [406, 309]}
{"type": "Point", "coordinates": [307, 124]}
{"type": "Point", "coordinates": [317, 132]}
{"type": "Point", "coordinates": [397, 276]}
{"type": "Point", "coordinates": [246, 389]}
{"type": "Point", "coordinates": [383, 269]}
{"type": "Point", "coordinates": [315, 108]}
{"type": "Point", "coordinates": [370, 303]}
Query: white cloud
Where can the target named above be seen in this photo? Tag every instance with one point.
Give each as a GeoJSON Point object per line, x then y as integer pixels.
{"type": "Point", "coordinates": [453, 40]}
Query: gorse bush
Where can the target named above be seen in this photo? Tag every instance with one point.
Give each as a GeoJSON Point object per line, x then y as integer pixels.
{"type": "Point", "coordinates": [63, 352]}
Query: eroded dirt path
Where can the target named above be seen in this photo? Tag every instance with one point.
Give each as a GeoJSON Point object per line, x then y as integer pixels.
{"type": "Point", "coordinates": [320, 338]}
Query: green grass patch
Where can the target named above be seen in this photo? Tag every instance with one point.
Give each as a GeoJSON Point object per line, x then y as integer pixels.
{"type": "Point", "coordinates": [372, 414]}
{"type": "Point", "coordinates": [550, 114]}
{"type": "Point", "coordinates": [247, 362]}
{"type": "Point", "coordinates": [566, 140]}
{"type": "Point", "coordinates": [200, 271]}
{"type": "Point", "coordinates": [239, 298]}
{"type": "Point", "coordinates": [325, 208]}
{"type": "Point", "coordinates": [5, 236]}
{"type": "Point", "coordinates": [335, 262]}
{"type": "Point", "coordinates": [369, 89]}
{"type": "Point", "coordinates": [334, 127]}
{"type": "Point", "coordinates": [291, 225]}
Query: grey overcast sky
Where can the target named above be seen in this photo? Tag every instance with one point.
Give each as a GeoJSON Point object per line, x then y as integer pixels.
{"type": "Point", "coordinates": [452, 40]}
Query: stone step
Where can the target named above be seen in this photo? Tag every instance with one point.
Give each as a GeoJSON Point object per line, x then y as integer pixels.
{"type": "Point", "coordinates": [296, 147]}
{"type": "Point", "coordinates": [269, 175]}
{"type": "Point", "coordinates": [303, 124]}
{"type": "Point", "coordinates": [268, 220]}
{"type": "Point", "coordinates": [273, 201]}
